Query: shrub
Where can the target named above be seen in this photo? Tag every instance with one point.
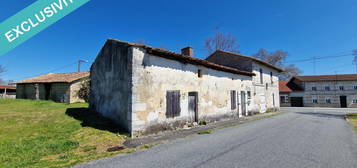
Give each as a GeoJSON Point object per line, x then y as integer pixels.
{"type": "Point", "coordinates": [84, 90]}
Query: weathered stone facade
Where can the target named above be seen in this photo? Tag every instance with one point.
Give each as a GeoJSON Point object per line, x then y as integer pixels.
{"type": "Point", "coordinates": [135, 86]}
{"type": "Point", "coordinates": [265, 90]}
{"type": "Point", "coordinates": [61, 88]}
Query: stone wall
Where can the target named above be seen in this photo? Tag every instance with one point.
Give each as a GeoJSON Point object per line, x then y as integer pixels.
{"type": "Point", "coordinates": [153, 76]}
{"type": "Point", "coordinates": [111, 83]}
{"type": "Point", "coordinates": [59, 92]}
{"type": "Point", "coordinates": [73, 94]}
{"type": "Point", "coordinates": [266, 93]}
{"type": "Point", "coordinates": [321, 94]}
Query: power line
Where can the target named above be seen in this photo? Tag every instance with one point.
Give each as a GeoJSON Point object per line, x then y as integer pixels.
{"type": "Point", "coordinates": [318, 58]}
{"type": "Point", "coordinates": [54, 70]}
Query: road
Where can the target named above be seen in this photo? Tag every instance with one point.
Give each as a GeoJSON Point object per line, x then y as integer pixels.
{"type": "Point", "coordinates": [302, 137]}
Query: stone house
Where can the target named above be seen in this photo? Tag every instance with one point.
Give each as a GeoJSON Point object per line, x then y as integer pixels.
{"type": "Point", "coordinates": [7, 91]}
{"type": "Point", "coordinates": [324, 90]}
{"type": "Point", "coordinates": [284, 92]}
{"type": "Point", "coordinates": [265, 82]}
{"type": "Point", "coordinates": [146, 89]}
{"type": "Point", "coordinates": [58, 87]}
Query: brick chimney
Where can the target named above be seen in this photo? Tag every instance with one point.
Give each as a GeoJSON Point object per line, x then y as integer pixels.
{"type": "Point", "coordinates": [188, 51]}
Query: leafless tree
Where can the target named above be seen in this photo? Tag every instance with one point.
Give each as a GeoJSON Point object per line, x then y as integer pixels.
{"type": "Point", "coordinates": [277, 58]}
{"type": "Point", "coordinates": [290, 71]}
{"type": "Point", "coordinates": [220, 41]}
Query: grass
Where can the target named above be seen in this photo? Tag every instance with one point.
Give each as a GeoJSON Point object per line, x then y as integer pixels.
{"type": "Point", "coordinates": [352, 119]}
{"type": "Point", "coordinates": [47, 134]}
{"type": "Point", "coordinates": [205, 132]}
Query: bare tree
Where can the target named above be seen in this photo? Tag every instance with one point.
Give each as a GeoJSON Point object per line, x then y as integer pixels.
{"type": "Point", "coordinates": [277, 58]}
{"type": "Point", "coordinates": [290, 71]}
{"type": "Point", "coordinates": [223, 42]}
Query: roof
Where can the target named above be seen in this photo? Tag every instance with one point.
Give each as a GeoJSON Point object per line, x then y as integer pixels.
{"type": "Point", "coordinates": [56, 78]}
{"type": "Point", "coordinates": [250, 58]}
{"type": "Point", "coordinates": [185, 59]}
{"type": "Point", "coordinates": [283, 87]}
{"type": "Point", "coordinates": [320, 78]}
{"type": "Point", "coordinates": [7, 87]}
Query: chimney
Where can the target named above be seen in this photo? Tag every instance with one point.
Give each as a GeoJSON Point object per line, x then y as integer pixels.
{"type": "Point", "coordinates": [188, 51]}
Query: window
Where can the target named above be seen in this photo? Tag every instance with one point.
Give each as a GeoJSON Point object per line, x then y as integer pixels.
{"type": "Point", "coordinates": [342, 88]}
{"type": "Point", "coordinates": [355, 87]}
{"type": "Point", "coordinates": [327, 88]}
{"type": "Point", "coordinates": [354, 101]}
{"type": "Point", "coordinates": [233, 99]}
{"type": "Point", "coordinates": [249, 95]}
{"type": "Point", "coordinates": [284, 99]}
{"type": "Point", "coordinates": [314, 101]}
{"type": "Point", "coordinates": [313, 88]}
{"type": "Point", "coordinates": [328, 101]}
{"type": "Point", "coordinates": [271, 77]}
{"type": "Point", "coordinates": [173, 108]}
{"type": "Point", "coordinates": [199, 73]}
{"type": "Point", "coordinates": [261, 75]}
{"type": "Point", "coordinates": [266, 86]}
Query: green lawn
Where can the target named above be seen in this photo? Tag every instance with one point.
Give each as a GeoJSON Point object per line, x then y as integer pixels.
{"type": "Point", "coordinates": [48, 134]}
{"type": "Point", "coordinates": [352, 119]}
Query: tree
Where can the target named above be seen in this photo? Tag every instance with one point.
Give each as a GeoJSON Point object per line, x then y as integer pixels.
{"type": "Point", "coordinates": [222, 42]}
{"type": "Point", "coordinates": [290, 71]}
{"type": "Point", "coordinates": [277, 58]}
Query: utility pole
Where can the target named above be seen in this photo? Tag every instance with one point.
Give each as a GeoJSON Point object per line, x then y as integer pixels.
{"type": "Point", "coordinates": [79, 64]}
{"type": "Point", "coordinates": [314, 64]}
{"type": "Point", "coordinates": [354, 53]}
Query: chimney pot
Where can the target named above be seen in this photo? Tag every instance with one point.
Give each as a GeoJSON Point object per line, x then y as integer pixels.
{"type": "Point", "coordinates": [188, 51]}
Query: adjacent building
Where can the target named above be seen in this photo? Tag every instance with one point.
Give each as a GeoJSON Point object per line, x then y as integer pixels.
{"type": "Point", "coordinates": [265, 82]}
{"type": "Point", "coordinates": [58, 87]}
{"type": "Point", "coordinates": [322, 91]}
{"type": "Point", "coordinates": [7, 91]}
{"type": "Point", "coordinates": [146, 89]}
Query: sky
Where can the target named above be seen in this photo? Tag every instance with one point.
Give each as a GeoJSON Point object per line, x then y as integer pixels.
{"type": "Point", "coordinates": [303, 28]}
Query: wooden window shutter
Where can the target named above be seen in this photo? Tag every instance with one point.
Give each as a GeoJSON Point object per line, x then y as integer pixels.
{"type": "Point", "coordinates": [173, 108]}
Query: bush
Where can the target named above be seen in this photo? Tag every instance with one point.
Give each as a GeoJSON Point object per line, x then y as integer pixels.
{"type": "Point", "coordinates": [84, 90]}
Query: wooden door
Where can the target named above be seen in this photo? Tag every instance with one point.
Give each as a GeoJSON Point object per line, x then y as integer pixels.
{"type": "Point", "coordinates": [244, 110]}
{"type": "Point", "coordinates": [192, 106]}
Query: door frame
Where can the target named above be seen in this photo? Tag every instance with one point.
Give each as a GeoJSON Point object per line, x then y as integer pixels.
{"type": "Point", "coordinates": [243, 104]}
{"type": "Point", "coordinates": [194, 94]}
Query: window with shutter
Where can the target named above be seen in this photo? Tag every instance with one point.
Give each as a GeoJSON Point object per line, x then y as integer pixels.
{"type": "Point", "coordinates": [173, 108]}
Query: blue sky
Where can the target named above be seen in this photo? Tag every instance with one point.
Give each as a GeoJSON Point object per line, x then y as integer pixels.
{"type": "Point", "coordinates": [303, 28]}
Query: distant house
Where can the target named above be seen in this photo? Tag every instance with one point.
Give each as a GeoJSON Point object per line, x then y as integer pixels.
{"type": "Point", "coordinates": [146, 89]}
{"type": "Point", "coordinates": [7, 91]}
{"type": "Point", "coordinates": [58, 87]}
{"type": "Point", "coordinates": [321, 91]}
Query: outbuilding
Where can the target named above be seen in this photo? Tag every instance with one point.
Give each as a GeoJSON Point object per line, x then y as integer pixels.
{"type": "Point", "coordinates": [58, 87]}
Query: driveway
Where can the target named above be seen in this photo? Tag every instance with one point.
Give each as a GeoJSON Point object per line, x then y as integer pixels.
{"type": "Point", "coordinates": [302, 137]}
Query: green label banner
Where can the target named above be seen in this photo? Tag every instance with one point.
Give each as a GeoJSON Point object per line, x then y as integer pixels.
{"type": "Point", "coordinates": [33, 19]}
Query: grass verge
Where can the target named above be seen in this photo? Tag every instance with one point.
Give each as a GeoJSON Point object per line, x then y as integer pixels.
{"type": "Point", "coordinates": [352, 119]}
{"type": "Point", "coordinates": [205, 131]}
{"type": "Point", "coordinates": [47, 134]}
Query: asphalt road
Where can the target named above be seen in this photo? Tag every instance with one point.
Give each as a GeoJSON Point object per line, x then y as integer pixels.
{"type": "Point", "coordinates": [303, 137]}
